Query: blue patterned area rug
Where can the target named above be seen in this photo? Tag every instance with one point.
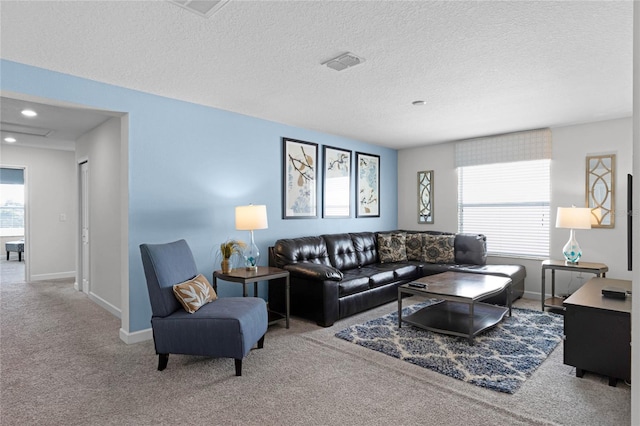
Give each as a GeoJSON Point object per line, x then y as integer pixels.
{"type": "Point", "coordinates": [501, 358]}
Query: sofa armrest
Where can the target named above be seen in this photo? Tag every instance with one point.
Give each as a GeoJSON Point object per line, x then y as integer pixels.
{"type": "Point", "coordinates": [314, 271]}
{"type": "Point", "coordinates": [314, 291]}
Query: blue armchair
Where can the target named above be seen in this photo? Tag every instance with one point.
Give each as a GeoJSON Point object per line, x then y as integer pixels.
{"type": "Point", "coordinates": [228, 327]}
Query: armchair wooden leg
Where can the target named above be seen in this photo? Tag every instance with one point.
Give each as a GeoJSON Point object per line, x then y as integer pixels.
{"type": "Point", "coordinates": [163, 359]}
{"type": "Point", "coordinates": [238, 367]}
{"type": "Point", "coordinates": [261, 342]}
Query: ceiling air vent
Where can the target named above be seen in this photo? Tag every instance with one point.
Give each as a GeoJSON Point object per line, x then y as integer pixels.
{"type": "Point", "coordinates": [201, 7]}
{"type": "Point", "coordinates": [344, 61]}
{"type": "Point", "coordinates": [24, 130]}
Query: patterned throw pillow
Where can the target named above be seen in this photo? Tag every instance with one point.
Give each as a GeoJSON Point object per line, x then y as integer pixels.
{"type": "Point", "coordinates": [195, 293]}
{"type": "Point", "coordinates": [414, 246]}
{"type": "Point", "coordinates": [438, 248]}
{"type": "Point", "coordinates": [391, 247]}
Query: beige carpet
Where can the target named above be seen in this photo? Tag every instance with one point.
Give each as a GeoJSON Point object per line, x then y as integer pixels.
{"type": "Point", "coordinates": [61, 362]}
{"type": "Point", "coordinates": [11, 271]}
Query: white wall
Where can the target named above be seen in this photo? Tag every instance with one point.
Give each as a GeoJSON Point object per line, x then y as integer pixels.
{"type": "Point", "coordinates": [101, 147]}
{"type": "Point", "coordinates": [440, 159]}
{"type": "Point", "coordinates": [50, 181]}
{"type": "Point", "coordinates": [571, 145]}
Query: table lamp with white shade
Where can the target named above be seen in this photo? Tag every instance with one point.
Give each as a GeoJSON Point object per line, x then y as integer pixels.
{"type": "Point", "coordinates": [573, 218]}
{"type": "Point", "coordinates": [249, 218]}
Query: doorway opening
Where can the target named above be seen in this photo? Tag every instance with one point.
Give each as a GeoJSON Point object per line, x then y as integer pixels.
{"type": "Point", "coordinates": [13, 223]}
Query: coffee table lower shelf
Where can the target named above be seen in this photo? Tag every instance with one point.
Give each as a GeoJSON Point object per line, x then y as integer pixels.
{"type": "Point", "coordinates": [453, 318]}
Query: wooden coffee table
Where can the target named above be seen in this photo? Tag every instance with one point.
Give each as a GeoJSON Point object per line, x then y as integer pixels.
{"type": "Point", "coordinates": [459, 311]}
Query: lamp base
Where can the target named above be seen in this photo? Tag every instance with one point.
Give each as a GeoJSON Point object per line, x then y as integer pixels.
{"type": "Point", "coordinates": [571, 251]}
{"type": "Point", "coordinates": [251, 256]}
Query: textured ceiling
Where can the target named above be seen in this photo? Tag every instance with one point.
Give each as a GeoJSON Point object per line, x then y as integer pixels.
{"type": "Point", "coordinates": [482, 67]}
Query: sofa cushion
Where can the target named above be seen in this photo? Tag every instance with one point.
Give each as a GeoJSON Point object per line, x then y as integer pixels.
{"type": "Point", "coordinates": [194, 293]}
{"type": "Point", "coordinates": [391, 247]}
{"type": "Point", "coordinates": [413, 243]}
{"type": "Point", "coordinates": [379, 274]}
{"type": "Point", "coordinates": [438, 248]}
{"type": "Point", "coordinates": [436, 268]}
{"type": "Point", "coordinates": [365, 245]}
{"type": "Point", "coordinates": [515, 272]}
{"type": "Point", "coordinates": [354, 281]}
{"type": "Point", "coordinates": [341, 251]}
{"type": "Point", "coordinates": [407, 271]}
{"type": "Point", "coordinates": [471, 249]}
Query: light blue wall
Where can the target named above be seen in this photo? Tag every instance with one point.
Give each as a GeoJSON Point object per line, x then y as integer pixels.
{"type": "Point", "coordinates": [190, 165]}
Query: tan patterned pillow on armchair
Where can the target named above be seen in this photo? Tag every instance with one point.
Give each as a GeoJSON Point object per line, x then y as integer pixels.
{"type": "Point", "coordinates": [195, 293]}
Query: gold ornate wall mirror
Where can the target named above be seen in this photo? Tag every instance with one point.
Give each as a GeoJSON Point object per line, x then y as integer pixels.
{"type": "Point", "coordinates": [600, 194]}
{"type": "Point", "coordinates": [425, 196]}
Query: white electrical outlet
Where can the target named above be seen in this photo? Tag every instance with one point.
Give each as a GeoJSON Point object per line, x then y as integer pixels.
{"type": "Point", "coordinates": [62, 217]}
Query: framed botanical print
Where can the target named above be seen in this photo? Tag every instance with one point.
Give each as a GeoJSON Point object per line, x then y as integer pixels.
{"type": "Point", "coordinates": [367, 185]}
{"type": "Point", "coordinates": [336, 194]}
{"type": "Point", "coordinates": [299, 179]}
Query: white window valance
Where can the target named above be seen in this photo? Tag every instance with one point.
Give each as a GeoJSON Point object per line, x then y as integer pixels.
{"type": "Point", "coordinates": [507, 148]}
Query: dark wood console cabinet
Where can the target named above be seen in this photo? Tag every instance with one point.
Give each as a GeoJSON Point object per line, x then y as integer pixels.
{"type": "Point", "coordinates": [598, 331]}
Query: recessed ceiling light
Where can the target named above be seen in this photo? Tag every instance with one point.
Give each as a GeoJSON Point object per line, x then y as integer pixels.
{"type": "Point", "coordinates": [29, 113]}
{"type": "Point", "coordinates": [419, 102]}
{"type": "Point", "coordinates": [10, 139]}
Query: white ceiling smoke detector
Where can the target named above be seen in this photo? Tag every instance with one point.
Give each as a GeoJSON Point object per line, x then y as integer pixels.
{"type": "Point", "coordinates": [204, 8]}
{"type": "Point", "coordinates": [344, 61]}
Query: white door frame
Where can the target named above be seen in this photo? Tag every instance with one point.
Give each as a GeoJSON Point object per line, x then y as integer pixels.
{"type": "Point", "coordinates": [83, 262]}
{"type": "Point", "coordinates": [27, 227]}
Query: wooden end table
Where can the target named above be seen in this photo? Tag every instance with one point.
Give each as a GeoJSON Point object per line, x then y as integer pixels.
{"type": "Point", "coordinates": [264, 273]}
{"type": "Point", "coordinates": [599, 269]}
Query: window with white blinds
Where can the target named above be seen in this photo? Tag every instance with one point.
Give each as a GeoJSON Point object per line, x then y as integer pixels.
{"type": "Point", "coordinates": [506, 195]}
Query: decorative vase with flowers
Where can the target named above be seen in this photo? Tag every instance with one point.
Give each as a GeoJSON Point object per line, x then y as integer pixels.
{"type": "Point", "coordinates": [227, 250]}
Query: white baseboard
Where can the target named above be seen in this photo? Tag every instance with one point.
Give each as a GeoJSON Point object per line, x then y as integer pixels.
{"type": "Point", "coordinates": [114, 310]}
{"type": "Point", "coordinates": [54, 276]}
{"type": "Point", "coordinates": [136, 336]}
{"type": "Point", "coordinates": [532, 295]}
{"type": "Point", "coordinates": [76, 286]}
